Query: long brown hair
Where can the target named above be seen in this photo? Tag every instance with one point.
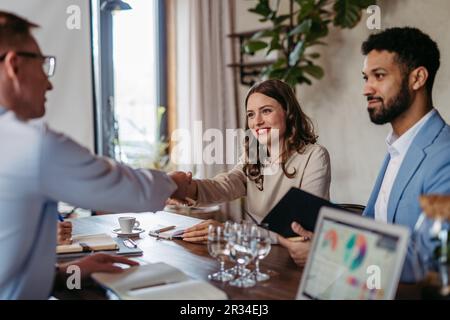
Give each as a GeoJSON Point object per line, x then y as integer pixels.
{"type": "Point", "coordinates": [299, 129]}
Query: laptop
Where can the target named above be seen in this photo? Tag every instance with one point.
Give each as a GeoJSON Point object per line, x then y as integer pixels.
{"type": "Point", "coordinates": [353, 258]}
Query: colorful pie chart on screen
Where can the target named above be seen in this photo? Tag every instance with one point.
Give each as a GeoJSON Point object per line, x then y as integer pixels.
{"type": "Point", "coordinates": [355, 251]}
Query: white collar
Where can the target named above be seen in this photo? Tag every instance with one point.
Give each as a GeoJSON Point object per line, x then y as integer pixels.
{"type": "Point", "coordinates": [400, 145]}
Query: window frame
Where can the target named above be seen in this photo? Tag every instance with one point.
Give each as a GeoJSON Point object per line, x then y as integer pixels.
{"type": "Point", "coordinates": [106, 130]}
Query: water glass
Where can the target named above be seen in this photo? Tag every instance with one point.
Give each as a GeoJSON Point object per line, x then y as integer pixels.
{"type": "Point", "coordinates": [218, 248]}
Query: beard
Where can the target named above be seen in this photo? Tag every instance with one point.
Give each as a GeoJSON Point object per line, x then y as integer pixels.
{"type": "Point", "coordinates": [394, 108]}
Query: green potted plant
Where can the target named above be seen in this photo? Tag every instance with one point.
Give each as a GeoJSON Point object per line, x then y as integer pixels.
{"type": "Point", "coordinates": [293, 34]}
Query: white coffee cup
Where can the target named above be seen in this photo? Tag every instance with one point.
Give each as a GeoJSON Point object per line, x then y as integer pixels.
{"type": "Point", "coordinates": [127, 224]}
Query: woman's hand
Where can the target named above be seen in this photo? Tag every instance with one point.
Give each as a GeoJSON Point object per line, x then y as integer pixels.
{"type": "Point", "coordinates": [177, 202]}
{"type": "Point", "coordinates": [199, 232]}
{"type": "Point", "coordinates": [64, 233]}
{"type": "Point", "coordinates": [298, 249]}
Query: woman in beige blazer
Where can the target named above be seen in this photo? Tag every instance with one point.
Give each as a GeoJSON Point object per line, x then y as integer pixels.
{"type": "Point", "coordinates": [295, 160]}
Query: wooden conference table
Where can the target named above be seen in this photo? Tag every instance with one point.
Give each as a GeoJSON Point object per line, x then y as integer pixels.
{"type": "Point", "coordinates": [194, 259]}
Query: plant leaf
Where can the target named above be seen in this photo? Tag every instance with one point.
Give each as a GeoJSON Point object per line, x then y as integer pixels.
{"type": "Point", "coordinates": [296, 54]}
{"type": "Point", "coordinates": [319, 29]}
{"type": "Point", "coordinates": [348, 12]}
{"type": "Point", "coordinates": [280, 19]}
{"type": "Point", "coordinates": [264, 34]}
{"type": "Point", "coordinates": [314, 55]}
{"type": "Point", "coordinates": [314, 70]}
{"type": "Point", "coordinates": [293, 75]}
{"type": "Point", "coordinates": [304, 27]}
{"type": "Point", "coordinates": [304, 79]}
{"type": "Point", "coordinates": [262, 9]}
{"type": "Point", "coordinates": [277, 73]}
{"type": "Point", "coordinates": [250, 47]}
{"type": "Point", "coordinates": [306, 8]}
{"type": "Point", "coordinates": [274, 44]}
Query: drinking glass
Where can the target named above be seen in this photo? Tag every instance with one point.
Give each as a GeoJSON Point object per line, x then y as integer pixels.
{"type": "Point", "coordinates": [230, 228]}
{"type": "Point", "coordinates": [263, 245]}
{"type": "Point", "coordinates": [243, 249]}
{"type": "Point", "coordinates": [218, 248]}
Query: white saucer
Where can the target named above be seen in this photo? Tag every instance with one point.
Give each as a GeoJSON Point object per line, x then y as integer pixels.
{"type": "Point", "coordinates": [136, 232]}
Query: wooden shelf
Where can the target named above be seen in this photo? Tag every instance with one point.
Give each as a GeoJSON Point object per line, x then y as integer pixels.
{"type": "Point", "coordinates": [249, 70]}
{"type": "Point", "coordinates": [254, 64]}
{"type": "Point", "coordinates": [246, 34]}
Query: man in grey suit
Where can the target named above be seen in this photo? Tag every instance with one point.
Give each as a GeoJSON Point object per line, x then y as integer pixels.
{"type": "Point", "coordinates": [39, 167]}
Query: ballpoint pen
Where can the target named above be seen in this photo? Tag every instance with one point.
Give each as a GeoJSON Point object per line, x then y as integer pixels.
{"type": "Point", "coordinates": [130, 243]}
{"type": "Point", "coordinates": [164, 229]}
{"type": "Point", "coordinates": [61, 217]}
{"type": "Point", "coordinates": [299, 239]}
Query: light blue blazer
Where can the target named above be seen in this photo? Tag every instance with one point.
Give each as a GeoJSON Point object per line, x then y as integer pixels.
{"type": "Point", "coordinates": [425, 170]}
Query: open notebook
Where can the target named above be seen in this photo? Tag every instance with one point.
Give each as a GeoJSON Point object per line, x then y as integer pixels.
{"type": "Point", "coordinates": [88, 243]}
{"type": "Point", "coordinates": [157, 281]}
{"type": "Point", "coordinates": [122, 250]}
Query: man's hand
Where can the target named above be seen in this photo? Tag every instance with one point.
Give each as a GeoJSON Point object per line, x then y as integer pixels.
{"type": "Point", "coordinates": [199, 232]}
{"type": "Point", "coordinates": [64, 233]}
{"type": "Point", "coordinates": [298, 250]}
{"type": "Point", "coordinates": [99, 262]}
{"type": "Point", "coordinates": [183, 180]}
{"type": "Point", "coordinates": [186, 187]}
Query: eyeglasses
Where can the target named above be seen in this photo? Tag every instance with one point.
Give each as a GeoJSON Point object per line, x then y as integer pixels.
{"type": "Point", "coordinates": [48, 64]}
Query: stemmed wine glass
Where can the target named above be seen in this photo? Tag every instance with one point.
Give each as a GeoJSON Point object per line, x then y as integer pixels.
{"type": "Point", "coordinates": [243, 249]}
{"type": "Point", "coordinates": [229, 229]}
{"type": "Point", "coordinates": [263, 245]}
{"type": "Point", "coordinates": [219, 249]}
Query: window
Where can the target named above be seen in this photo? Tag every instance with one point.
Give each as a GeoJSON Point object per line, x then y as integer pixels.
{"type": "Point", "coordinates": [132, 83]}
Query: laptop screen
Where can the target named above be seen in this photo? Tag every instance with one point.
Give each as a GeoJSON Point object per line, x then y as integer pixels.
{"type": "Point", "coordinates": [352, 262]}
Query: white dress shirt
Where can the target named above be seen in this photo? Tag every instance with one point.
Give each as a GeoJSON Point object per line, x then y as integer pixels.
{"type": "Point", "coordinates": [39, 167]}
{"type": "Point", "coordinates": [397, 148]}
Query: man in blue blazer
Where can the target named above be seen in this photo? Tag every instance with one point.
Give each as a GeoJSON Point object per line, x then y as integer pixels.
{"type": "Point", "coordinates": [399, 72]}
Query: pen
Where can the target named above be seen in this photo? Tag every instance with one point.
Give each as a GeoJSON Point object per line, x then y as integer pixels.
{"type": "Point", "coordinates": [130, 243]}
{"type": "Point", "coordinates": [60, 217]}
{"type": "Point", "coordinates": [164, 229]}
{"type": "Point", "coordinates": [299, 239]}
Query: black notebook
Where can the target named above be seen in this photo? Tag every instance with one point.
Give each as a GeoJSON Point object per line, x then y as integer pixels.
{"type": "Point", "coordinates": [299, 206]}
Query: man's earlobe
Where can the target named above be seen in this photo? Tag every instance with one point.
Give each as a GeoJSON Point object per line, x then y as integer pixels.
{"type": "Point", "coordinates": [420, 76]}
{"type": "Point", "coordinates": [11, 66]}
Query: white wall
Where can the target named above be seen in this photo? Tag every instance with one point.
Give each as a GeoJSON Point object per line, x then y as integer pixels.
{"type": "Point", "coordinates": [70, 104]}
{"type": "Point", "coordinates": [336, 104]}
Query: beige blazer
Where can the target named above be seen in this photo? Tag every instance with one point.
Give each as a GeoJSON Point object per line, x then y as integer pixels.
{"type": "Point", "coordinates": [313, 175]}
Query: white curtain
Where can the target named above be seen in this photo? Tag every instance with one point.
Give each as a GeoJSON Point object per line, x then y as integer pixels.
{"type": "Point", "coordinates": [206, 90]}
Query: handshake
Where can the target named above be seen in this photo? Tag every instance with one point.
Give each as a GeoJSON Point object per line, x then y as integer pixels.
{"type": "Point", "coordinates": [186, 194]}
